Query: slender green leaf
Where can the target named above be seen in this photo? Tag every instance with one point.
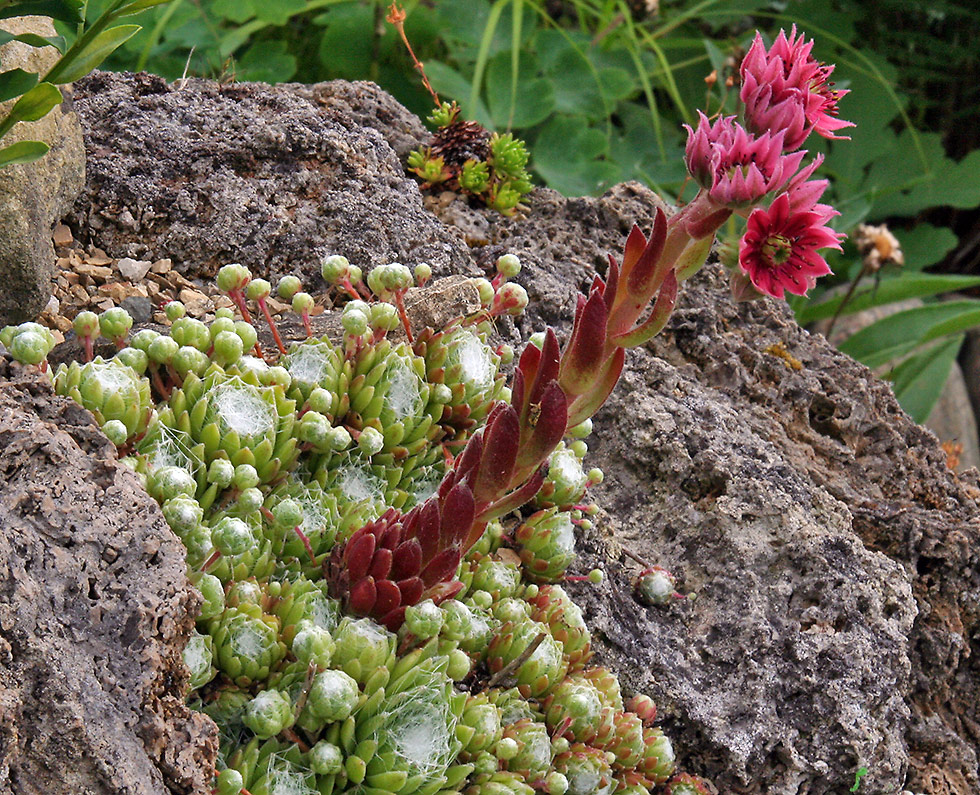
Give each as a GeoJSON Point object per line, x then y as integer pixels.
{"type": "Point", "coordinates": [912, 325]}
{"type": "Point", "coordinates": [35, 104]}
{"type": "Point", "coordinates": [22, 152]}
{"type": "Point", "coordinates": [139, 5]}
{"type": "Point", "coordinates": [97, 51]}
{"type": "Point", "coordinates": [70, 11]}
{"type": "Point", "coordinates": [889, 290]}
{"type": "Point", "coordinates": [15, 82]}
{"type": "Point", "coordinates": [34, 40]}
{"type": "Point", "coordinates": [919, 380]}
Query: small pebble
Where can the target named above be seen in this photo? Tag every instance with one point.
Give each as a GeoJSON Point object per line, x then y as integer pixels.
{"type": "Point", "coordinates": [140, 308]}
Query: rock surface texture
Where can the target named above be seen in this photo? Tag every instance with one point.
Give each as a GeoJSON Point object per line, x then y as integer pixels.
{"type": "Point", "coordinates": [94, 613]}
{"type": "Point", "coordinates": [216, 173]}
{"type": "Point", "coordinates": [834, 556]}
{"type": "Point", "coordinates": [34, 196]}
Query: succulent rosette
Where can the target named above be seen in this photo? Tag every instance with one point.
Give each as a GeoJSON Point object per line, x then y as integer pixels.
{"type": "Point", "coordinates": [537, 671]}
{"type": "Point", "coordinates": [112, 391]}
{"type": "Point", "coordinates": [545, 542]}
{"type": "Point", "coordinates": [246, 644]}
{"type": "Point", "coordinates": [554, 607]}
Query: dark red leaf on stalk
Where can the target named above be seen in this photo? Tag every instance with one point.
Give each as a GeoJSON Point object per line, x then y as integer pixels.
{"type": "Point", "coordinates": [546, 433]}
{"type": "Point", "coordinates": [407, 559]}
{"type": "Point", "coordinates": [612, 283]}
{"type": "Point", "coordinates": [584, 406]}
{"type": "Point", "coordinates": [642, 278]}
{"type": "Point", "coordinates": [517, 389]}
{"type": "Point", "coordinates": [358, 556]}
{"type": "Point", "coordinates": [500, 444]}
{"type": "Point", "coordinates": [598, 285]}
{"type": "Point", "coordinates": [442, 567]}
{"type": "Point", "coordinates": [635, 243]}
{"type": "Point", "coordinates": [511, 501]}
{"type": "Point", "coordinates": [387, 599]}
{"type": "Point", "coordinates": [586, 346]}
{"type": "Point", "coordinates": [393, 620]}
{"type": "Point", "coordinates": [362, 596]}
{"type": "Point", "coordinates": [381, 567]}
{"type": "Point", "coordinates": [442, 591]}
{"type": "Point", "coordinates": [428, 530]}
{"type": "Point", "coordinates": [547, 369]}
{"type": "Point", "coordinates": [527, 365]}
{"type": "Point", "coordinates": [411, 590]}
{"type": "Point", "coordinates": [468, 463]}
{"type": "Point", "coordinates": [457, 516]}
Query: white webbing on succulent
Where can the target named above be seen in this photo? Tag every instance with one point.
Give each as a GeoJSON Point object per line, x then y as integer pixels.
{"type": "Point", "coordinates": [476, 365]}
{"type": "Point", "coordinates": [239, 407]}
{"type": "Point", "coordinates": [404, 396]}
{"type": "Point", "coordinates": [308, 363]}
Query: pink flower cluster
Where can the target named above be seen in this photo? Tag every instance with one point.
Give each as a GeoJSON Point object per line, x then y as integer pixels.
{"type": "Point", "coordinates": [786, 96]}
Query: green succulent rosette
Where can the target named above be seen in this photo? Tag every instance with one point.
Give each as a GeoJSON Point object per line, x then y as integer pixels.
{"type": "Point", "coordinates": [627, 742]}
{"type": "Point", "coordinates": [228, 417]}
{"type": "Point", "coordinates": [111, 390]}
{"type": "Point", "coordinates": [463, 362]}
{"type": "Point", "coordinates": [405, 737]}
{"type": "Point", "coordinates": [246, 644]}
{"type": "Point", "coordinates": [658, 760]}
{"type": "Point", "coordinates": [533, 758]}
{"type": "Point", "coordinates": [316, 363]}
{"type": "Point", "coordinates": [499, 783]}
{"type": "Point", "coordinates": [541, 670]}
{"type": "Point", "coordinates": [479, 727]}
{"type": "Point", "coordinates": [587, 770]}
{"type": "Point", "coordinates": [564, 485]}
{"type": "Point", "coordinates": [546, 544]}
{"type": "Point", "coordinates": [554, 607]}
{"type": "Point", "coordinates": [198, 658]}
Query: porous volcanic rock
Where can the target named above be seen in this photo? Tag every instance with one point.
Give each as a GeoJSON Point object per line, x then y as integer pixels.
{"type": "Point", "coordinates": [274, 177]}
{"type": "Point", "coordinates": [94, 613]}
{"type": "Point", "coordinates": [834, 556]}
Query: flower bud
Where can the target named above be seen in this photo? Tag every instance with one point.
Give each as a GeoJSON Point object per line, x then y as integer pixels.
{"type": "Point", "coordinates": [370, 441]}
{"type": "Point", "coordinates": [162, 350]}
{"type": "Point", "coordinates": [221, 472]}
{"type": "Point", "coordinates": [508, 266]}
{"type": "Point", "coordinates": [174, 310]}
{"type": "Point", "coordinates": [258, 289]}
{"type": "Point", "coordinates": [29, 347]}
{"type": "Point", "coordinates": [423, 620]}
{"type": "Point", "coordinates": [249, 500]}
{"type": "Point", "coordinates": [165, 483]}
{"type": "Point", "coordinates": [233, 277]}
{"type": "Point", "coordinates": [228, 348]}
{"type": "Point", "coordinates": [302, 303]}
{"type": "Point", "coordinates": [213, 592]}
{"type": "Point", "coordinates": [133, 358]}
{"type": "Point", "coordinates": [247, 333]}
{"type": "Point", "coordinates": [230, 782]}
{"type": "Point", "coordinates": [288, 287]}
{"type": "Point", "coordinates": [355, 323]}
{"type": "Point", "coordinates": [288, 514]}
{"type": "Point", "coordinates": [423, 272]}
{"type": "Point", "coordinates": [182, 513]}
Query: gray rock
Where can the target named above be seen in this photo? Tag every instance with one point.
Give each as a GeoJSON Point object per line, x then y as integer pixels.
{"type": "Point", "coordinates": [35, 196]}
{"type": "Point", "coordinates": [272, 177]}
{"type": "Point", "coordinates": [140, 308]}
{"type": "Point", "coordinates": [132, 269]}
{"type": "Point", "coordinates": [95, 610]}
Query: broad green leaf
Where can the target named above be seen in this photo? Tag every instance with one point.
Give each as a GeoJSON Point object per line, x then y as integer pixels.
{"type": "Point", "coordinates": [347, 42]}
{"type": "Point", "coordinates": [15, 83]}
{"type": "Point", "coordinates": [533, 102]}
{"type": "Point", "coordinates": [35, 104]}
{"type": "Point", "coordinates": [902, 328]}
{"type": "Point", "coordinates": [235, 11]}
{"type": "Point", "coordinates": [96, 52]}
{"type": "Point", "coordinates": [566, 154]}
{"type": "Point", "coordinates": [888, 290]}
{"type": "Point", "coordinates": [22, 152]}
{"type": "Point", "coordinates": [577, 87]}
{"type": "Point", "coordinates": [924, 244]}
{"type": "Point", "coordinates": [279, 12]}
{"type": "Point", "coordinates": [267, 62]}
{"type": "Point", "coordinates": [919, 380]}
{"type": "Point", "coordinates": [34, 40]}
{"type": "Point", "coordinates": [616, 83]}
{"type": "Point", "coordinates": [70, 11]}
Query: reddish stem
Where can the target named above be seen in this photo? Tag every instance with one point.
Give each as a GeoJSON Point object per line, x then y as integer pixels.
{"type": "Point", "coordinates": [272, 325]}
{"type": "Point", "coordinates": [400, 303]}
{"type": "Point", "coordinates": [349, 289]}
{"type": "Point", "coordinates": [89, 347]}
{"type": "Point", "coordinates": [306, 325]}
{"type": "Point", "coordinates": [210, 561]}
{"type": "Point", "coordinates": [306, 543]}
{"type": "Point", "coordinates": [157, 382]}
{"type": "Point", "coordinates": [239, 298]}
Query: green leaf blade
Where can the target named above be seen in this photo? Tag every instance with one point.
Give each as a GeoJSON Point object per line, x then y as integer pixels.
{"type": "Point", "coordinates": [22, 152]}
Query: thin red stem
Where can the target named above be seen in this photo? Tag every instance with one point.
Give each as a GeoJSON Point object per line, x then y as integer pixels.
{"type": "Point", "coordinates": [272, 325]}
{"type": "Point", "coordinates": [306, 325]}
{"type": "Point", "coordinates": [89, 347]}
{"type": "Point", "coordinates": [400, 303]}
{"type": "Point", "coordinates": [306, 543]}
{"type": "Point", "coordinates": [211, 560]}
